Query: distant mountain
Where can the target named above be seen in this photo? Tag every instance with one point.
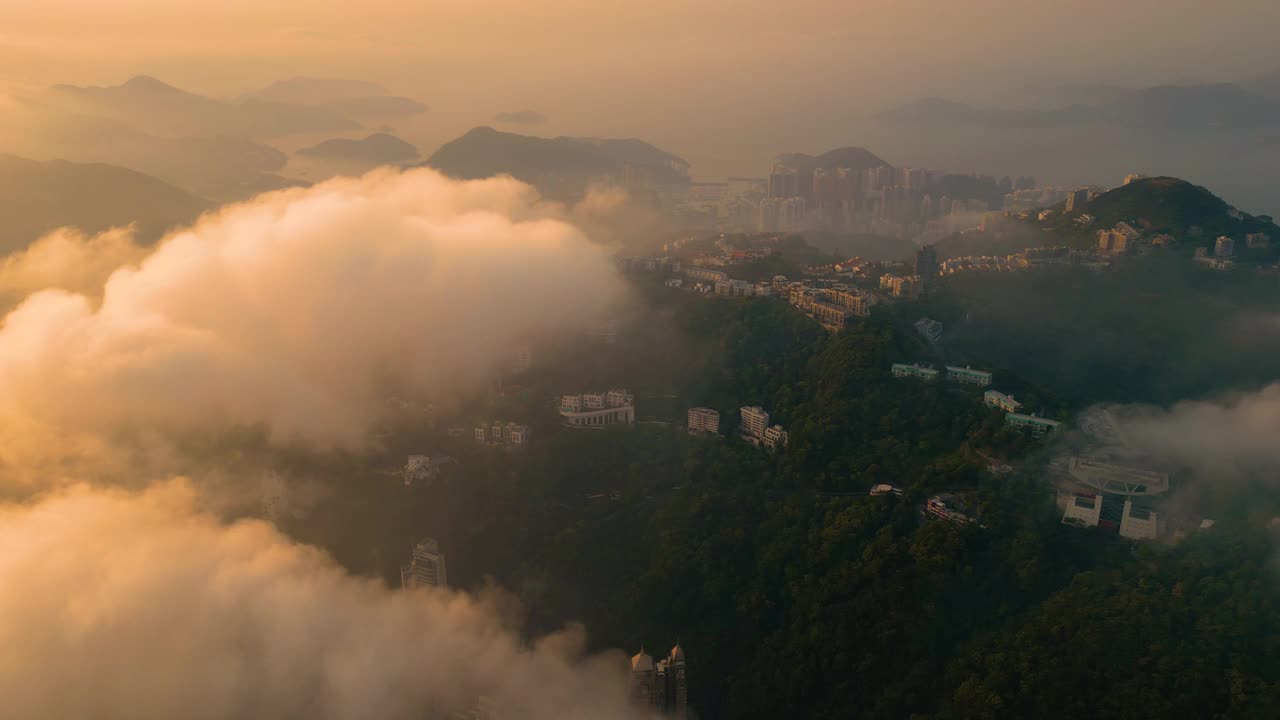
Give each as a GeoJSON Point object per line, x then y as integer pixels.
{"type": "Point", "coordinates": [36, 197]}
{"type": "Point", "coordinates": [355, 99]}
{"type": "Point", "coordinates": [377, 149]}
{"type": "Point", "coordinates": [1059, 96]}
{"type": "Point", "coordinates": [561, 167]}
{"type": "Point", "coordinates": [520, 117]}
{"type": "Point", "coordinates": [1186, 107]}
{"type": "Point", "coordinates": [149, 105]}
{"type": "Point", "coordinates": [1221, 105]}
{"type": "Point", "coordinates": [316, 90]}
{"type": "Point", "coordinates": [854, 158]}
{"type": "Point", "coordinates": [940, 113]}
{"type": "Point", "coordinates": [1266, 85]}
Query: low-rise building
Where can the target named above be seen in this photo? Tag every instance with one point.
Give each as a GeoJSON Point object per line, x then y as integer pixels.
{"type": "Point", "coordinates": [1082, 510]}
{"type": "Point", "coordinates": [1139, 523]}
{"type": "Point", "coordinates": [900, 286]}
{"type": "Point", "coordinates": [885, 489]}
{"type": "Point", "coordinates": [598, 410]}
{"type": "Point", "coordinates": [502, 434]}
{"type": "Point", "coordinates": [1224, 247]}
{"type": "Point", "coordinates": [1257, 240]}
{"type": "Point", "coordinates": [1039, 426]}
{"type": "Point", "coordinates": [705, 275]}
{"type": "Point", "coordinates": [997, 399]}
{"type": "Point", "coordinates": [930, 330]}
{"type": "Point", "coordinates": [775, 437]}
{"type": "Point", "coordinates": [923, 372]}
{"type": "Point", "coordinates": [967, 375]}
{"type": "Point", "coordinates": [947, 507]}
{"type": "Point", "coordinates": [703, 419]}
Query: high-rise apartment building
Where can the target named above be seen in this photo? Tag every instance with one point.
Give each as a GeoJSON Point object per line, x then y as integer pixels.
{"type": "Point", "coordinates": [1077, 199]}
{"type": "Point", "coordinates": [702, 419]}
{"type": "Point", "coordinates": [426, 568]}
{"type": "Point", "coordinates": [660, 687]}
{"type": "Point", "coordinates": [753, 421]}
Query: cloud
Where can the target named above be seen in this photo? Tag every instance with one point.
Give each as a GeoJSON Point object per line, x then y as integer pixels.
{"type": "Point", "coordinates": [138, 606]}
{"type": "Point", "coordinates": [294, 312]}
{"type": "Point", "coordinates": [1217, 439]}
{"type": "Point", "coordinates": [521, 117]}
{"type": "Point", "coordinates": [67, 259]}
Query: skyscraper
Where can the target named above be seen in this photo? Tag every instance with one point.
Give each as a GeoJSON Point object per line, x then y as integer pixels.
{"type": "Point", "coordinates": [926, 264]}
{"type": "Point", "coordinates": [1076, 200]}
{"type": "Point", "coordinates": [426, 568]}
{"type": "Point", "coordinates": [784, 182]}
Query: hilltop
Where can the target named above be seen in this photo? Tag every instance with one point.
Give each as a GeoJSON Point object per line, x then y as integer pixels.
{"type": "Point", "coordinates": [1192, 214]}
{"type": "Point", "coordinates": [377, 149]}
{"type": "Point", "coordinates": [854, 158]}
{"type": "Point", "coordinates": [36, 197]}
{"type": "Point", "coordinates": [150, 105]}
{"type": "Point", "coordinates": [561, 167]}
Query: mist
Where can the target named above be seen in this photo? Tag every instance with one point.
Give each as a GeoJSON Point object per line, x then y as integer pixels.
{"type": "Point", "coordinates": [295, 312]}
{"type": "Point", "coordinates": [140, 606]}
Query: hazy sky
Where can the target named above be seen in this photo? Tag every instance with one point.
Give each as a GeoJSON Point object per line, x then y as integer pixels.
{"type": "Point", "coordinates": [793, 71]}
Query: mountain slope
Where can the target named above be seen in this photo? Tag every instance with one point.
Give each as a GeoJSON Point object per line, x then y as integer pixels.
{"type": "Point", "coordinates": [149, 105]}
{"type": "Point", "coordinates": [1183, 107]}
{"type": "Point", "coordinates": [377, 149]}
{"type": "Point", "coordinates": [854, 158]}
{"type": "Point", "coordinates": [36, 197]}
{"type": "Point", "coordinates": [561, 167]}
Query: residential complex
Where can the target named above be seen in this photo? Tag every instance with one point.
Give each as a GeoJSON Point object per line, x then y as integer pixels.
{"type": "Point", "coordinates": [501, 434]}
{"type": "Point", "coordinates": [923, 372]}
{"type": "Point", "coordinates": [967, 375]}
{"type": "Point", "coordinates": [426, 568]}
{"type": "Point", "coordinates": [598, 410]}
{"type": "Point", "coordinates": [704, 420]}
{"type": "Point", "coordinates": [899, 286]}
{"type": "Point", "coordinates": [661, 687]}
{"type": "Point", "coordinates": [830, 306]}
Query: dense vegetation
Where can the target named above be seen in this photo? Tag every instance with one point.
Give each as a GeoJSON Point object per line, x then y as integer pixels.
{"type": "Point", "coordinates": [794, 593]}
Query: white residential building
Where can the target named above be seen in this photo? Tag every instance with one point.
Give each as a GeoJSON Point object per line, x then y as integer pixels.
{"type": "Point", "coordinates": [703, 419]}
{"type": "Point", "coordinates": [754, 421]}
{"type": "Point", "coordinates": [775, 437]}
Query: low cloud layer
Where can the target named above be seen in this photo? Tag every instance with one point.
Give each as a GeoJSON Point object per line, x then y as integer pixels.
{"type": "Point", "coordinates": [139, 606]}
{"type": "Point", "coordinates": [1218, 439]}
{"type": "Point", "coordinates": [294, 311]}
{"type": "Point", "coordinates": [68, 260]}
